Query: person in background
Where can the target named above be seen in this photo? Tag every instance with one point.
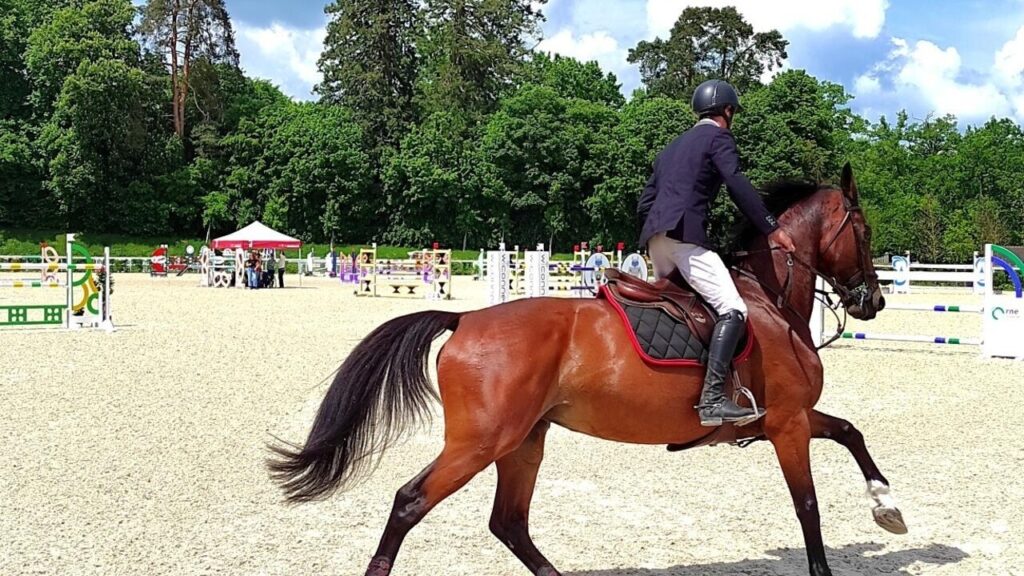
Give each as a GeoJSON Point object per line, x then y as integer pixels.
{"type": "Point", "coordinates": [253, 268]}
{"type": "Point", "coordinates": [249, 264]}
{"type": "Point", "coordinates": [258, 270]}
{"type": "Point", "coordinates": [268, 276]}
{"type": "Point", "coordinates": [282, 262]}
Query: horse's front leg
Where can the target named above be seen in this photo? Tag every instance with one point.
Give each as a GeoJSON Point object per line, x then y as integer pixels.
{"type": "Point", "coordinates": [792, 441]}
{"type": "Point", "coordinates": [883, 508]}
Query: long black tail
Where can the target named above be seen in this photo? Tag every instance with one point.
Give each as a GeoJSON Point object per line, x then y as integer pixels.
{"type": "Point", "coordinates": [380, 388]}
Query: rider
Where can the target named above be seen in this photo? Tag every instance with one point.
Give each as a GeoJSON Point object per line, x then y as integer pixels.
{"type": "Point", "coordinates": [674, 209]}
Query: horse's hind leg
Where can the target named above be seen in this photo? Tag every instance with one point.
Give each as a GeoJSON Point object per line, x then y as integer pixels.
{"type": "Point", "coordinates": [884, 510]}
{"type": "Point", "coordinates": [517, 475]}
{"type": "Point", "coordinates": [451, 471]}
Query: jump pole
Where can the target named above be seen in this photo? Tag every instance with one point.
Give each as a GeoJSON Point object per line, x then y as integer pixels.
{"type": "Point", "coordinates": [1002, 314]}
{"type": "Point", "coordinates": [912, 338]}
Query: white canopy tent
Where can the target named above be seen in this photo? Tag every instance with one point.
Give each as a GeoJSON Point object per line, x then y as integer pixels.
{"type": "Point", "coordinates": [256, 236]}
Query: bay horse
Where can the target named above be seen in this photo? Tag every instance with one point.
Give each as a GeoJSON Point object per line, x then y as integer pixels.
{"type": "Point", "coordinates": [511, 370]}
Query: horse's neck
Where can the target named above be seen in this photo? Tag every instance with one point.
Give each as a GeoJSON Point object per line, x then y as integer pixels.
{"type": "Point", "coordinates": [774, 271]}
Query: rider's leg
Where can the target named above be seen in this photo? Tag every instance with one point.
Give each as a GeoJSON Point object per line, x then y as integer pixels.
{"type": "Point", "coordinates": [660, 249]}
{"type": "Point", "coordinates": [707, 274]}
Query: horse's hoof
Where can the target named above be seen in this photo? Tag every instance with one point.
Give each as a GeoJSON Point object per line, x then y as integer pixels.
{"type": "Point", "coordinates": [548, 571]}
{"type": "Point", "coordinates": [890, 519]}
{"type": "Point", "coordinates": [379, 567]}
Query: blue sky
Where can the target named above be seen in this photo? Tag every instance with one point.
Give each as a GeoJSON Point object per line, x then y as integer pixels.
{"type": "Point", "coordinates": [963, 57]}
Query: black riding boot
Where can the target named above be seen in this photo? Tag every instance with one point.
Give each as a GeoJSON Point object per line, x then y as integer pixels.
{"type": "Point", "coordinates": [715, 408]}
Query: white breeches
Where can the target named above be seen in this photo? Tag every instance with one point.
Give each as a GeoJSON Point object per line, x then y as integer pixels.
{"type": "Point", "coordinates": [702, 268]}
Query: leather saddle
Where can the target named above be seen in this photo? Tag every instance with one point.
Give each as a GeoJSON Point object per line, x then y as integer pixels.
{"type": "Point", "coordinates": [667, 294]}
{"type": "Point", "coordinates": [670, 324]}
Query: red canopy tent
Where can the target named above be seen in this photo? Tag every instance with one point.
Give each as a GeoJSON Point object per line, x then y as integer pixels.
{"type": "Point", "coordinates": [256, 236]}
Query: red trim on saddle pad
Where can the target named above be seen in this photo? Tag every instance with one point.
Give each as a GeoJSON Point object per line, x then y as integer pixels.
{"type": "Point", "coordinates": [602, 293]}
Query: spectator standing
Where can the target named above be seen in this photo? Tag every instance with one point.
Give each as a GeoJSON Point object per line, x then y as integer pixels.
{"type": "Point", "coordinates": [282, 262]}
{"type": "Point", "coordinates": [271, 267]}
{"type": "Point", "coordinates": [258, 270]}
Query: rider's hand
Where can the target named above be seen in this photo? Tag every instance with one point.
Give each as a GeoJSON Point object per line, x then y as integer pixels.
{"type": "Point", "coordinates": [782, 240]}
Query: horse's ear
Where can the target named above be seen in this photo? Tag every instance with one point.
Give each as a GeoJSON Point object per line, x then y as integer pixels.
{"type": "Point", "coordinates": [847, 183]}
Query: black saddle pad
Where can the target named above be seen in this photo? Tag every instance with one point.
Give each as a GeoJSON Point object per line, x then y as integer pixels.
{"type": "Point", "coordinates": [662, 340]}
{"type": "Point", "coordinates": [661, 337]}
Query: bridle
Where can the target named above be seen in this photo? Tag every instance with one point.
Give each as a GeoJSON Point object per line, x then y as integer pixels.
{"type": "Point", "coordinates": [853, 291]}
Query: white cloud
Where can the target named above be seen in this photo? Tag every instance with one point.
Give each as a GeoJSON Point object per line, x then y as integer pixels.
{"type": "Point", "coordinates": [1009, 61]}
{"type": "Point", "coordinates": [586, 47]}
{"type": "Point", "coordinates": [925, 74]}
{"type": "Point", "coordinates": [284, 55]}
{"type": "Point", "coordinates": [598, 46]}
{"type": "Point", "coordinates": [863, 17]}
{"type": "Point", "coordinates": [867, 84]}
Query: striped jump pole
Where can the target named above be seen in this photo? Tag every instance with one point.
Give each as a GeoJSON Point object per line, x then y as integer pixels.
{"type": "Point", "coordinates": [912, 338]}
{"type": "Point", "coordinates": [29, 284]}
{"type": "Point", "coordinates": [936, 308]}
{"type": "Point", "coordinates": [29, 266]}
{"type": "Point", "coordinates": [1002, 315]}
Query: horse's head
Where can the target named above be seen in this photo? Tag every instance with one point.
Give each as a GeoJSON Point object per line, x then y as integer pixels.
{"type": "Point", "coordinates": [844, 253]}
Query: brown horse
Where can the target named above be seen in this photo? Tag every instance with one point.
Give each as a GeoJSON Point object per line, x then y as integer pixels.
{"type": "Point", "coordinates": [511, 370]}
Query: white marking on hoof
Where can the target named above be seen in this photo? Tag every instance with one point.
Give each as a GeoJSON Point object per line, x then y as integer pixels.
{"type": "Point", "coordinates": [884, 509]}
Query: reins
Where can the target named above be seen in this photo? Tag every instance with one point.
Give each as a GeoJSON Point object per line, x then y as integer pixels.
{"type": "Point", "coordinates": [782, 297]}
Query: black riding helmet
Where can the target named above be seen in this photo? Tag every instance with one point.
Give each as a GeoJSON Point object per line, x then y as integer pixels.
{"type": "Point", "coordinates": [712, 96]}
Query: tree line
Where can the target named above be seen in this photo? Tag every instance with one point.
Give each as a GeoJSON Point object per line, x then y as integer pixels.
{"type": "Point", "coordinates": [440, 121]}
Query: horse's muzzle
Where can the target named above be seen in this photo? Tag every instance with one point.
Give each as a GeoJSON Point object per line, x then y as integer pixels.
{"type": "Point", "coordinates": [865, 307]}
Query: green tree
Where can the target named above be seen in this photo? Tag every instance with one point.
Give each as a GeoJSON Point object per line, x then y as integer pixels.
{"type": "Point", "coordinates": [21, 201]}
{"type": "Point", "coordinates": [432, 185]}
{"type": "Point", "coordinates": [18, 18]}
{"type": "Point", "coordinates": [184, 32]}
{"type": "Point", "coordinates": [98, 30]}
{"type": "Point", "coordinates": [14, 86]}
{"type": "Point", "coordinates": [302, 168]}
{"type": "Point", "coordinates": [646, 126]}
{"type": "Point", "coordinates": [991, 162]}
{"type": "Point", "coordinates": [473, 50]}
{"type": "Point", "coordinates": [796, 127]}
{"type": "Point", "coordinates": [548, 155]}
{"type": "Point", "coordinates": [234, 99]}
{"type": "Point", "coordinates": [369, 65]}
{"type": "Point", "coordinates": [571, 78]}
{"type": "Point", "coordinates": [707, 43]}
{"type": "Point", "coordinates": [107, 155]}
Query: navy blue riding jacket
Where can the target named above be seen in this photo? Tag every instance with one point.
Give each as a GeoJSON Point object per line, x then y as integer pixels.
{"type": "Point", "coordinates": [687, 176]}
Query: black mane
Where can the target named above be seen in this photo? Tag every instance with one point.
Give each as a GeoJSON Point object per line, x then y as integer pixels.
{"type": "Point", "coordinates": [778, 197]}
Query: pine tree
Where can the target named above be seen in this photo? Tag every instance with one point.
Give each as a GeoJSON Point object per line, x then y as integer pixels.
{"type": "Point", "coordinates": [473, 52]}
{"type": "Point", "coordinates": [708, 43]}
{"type": "Point", "coordinates": [369, 65]}
{"type": "Point", "coordinates": [184, 32]}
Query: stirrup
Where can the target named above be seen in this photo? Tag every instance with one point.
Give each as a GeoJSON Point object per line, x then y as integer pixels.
{"type": "Point", "coordinates": [758, 412]}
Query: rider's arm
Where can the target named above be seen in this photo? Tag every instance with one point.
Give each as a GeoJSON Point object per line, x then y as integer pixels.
{"type": "Point", "coordinates": [727, 160]}
{"type": "Point", "coordinates": [643, 206]}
